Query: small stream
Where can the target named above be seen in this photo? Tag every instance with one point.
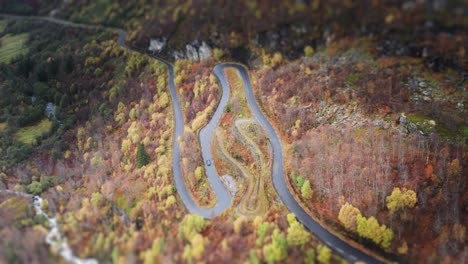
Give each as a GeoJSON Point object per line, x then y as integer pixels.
{"type": "Point", "coordinates": [54, 238]}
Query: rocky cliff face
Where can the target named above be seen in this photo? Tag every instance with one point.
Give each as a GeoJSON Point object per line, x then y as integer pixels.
{"type": "Point", "coordinates": [194, 52]}
{"type": "Point", "coordinates": [157, 45]}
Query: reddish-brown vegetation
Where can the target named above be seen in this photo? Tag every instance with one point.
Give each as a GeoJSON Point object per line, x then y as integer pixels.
{"type": "Point", "coordinates": [199, 94]}
{"type": "Point", "coordinates": [350, 156]}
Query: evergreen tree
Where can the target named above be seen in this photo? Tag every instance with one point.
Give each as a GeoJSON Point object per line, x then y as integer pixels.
{"type": "Point", "coordinates": [69, 64]}
{"type": "Point", "coordinates": [142, 156]}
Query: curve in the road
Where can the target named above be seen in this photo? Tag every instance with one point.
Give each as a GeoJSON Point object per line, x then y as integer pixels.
{"type": "Point", "coordinates": [223, 198]}
{"type": "Point", "coordinates": [344, 249]}
{"type": "Point", "coordinates": [279, 181]}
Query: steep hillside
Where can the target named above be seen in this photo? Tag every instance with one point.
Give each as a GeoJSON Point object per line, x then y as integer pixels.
{"type": "Point", "coordinates": [368, 99]}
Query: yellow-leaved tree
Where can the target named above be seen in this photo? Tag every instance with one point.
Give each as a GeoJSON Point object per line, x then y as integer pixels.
{"type": "Point", "coordinates": [297, 234]}
{"type": "Point", "coordinates": [324, 254]}
{"type": "Point", "coordinates": [371, 229]}
{"type": "Point", "coordinates": [348, 215]}
{"type": "Point", "coordinates": [401, 198]}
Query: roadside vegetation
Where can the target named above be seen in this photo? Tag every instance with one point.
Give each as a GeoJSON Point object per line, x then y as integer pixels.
{"type": "Point", "coordinates": [375, 150]}
{"type": "Point", "coordinates": [198, 94]}
{"type": "Point", "coordinates": [371, 113]}
{"type": "Point", "coordinates": [239, 146]}
{"type": "Point", "coordinates": [106, 181]}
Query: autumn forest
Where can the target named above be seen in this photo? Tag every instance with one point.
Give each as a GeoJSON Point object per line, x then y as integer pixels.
{"type": "Point", "coordinates": [156, 131]}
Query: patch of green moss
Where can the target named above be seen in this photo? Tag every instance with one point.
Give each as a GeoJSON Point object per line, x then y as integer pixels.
{"type": "Point", "coordinates": [423, 122]}
{"type": "Point", "coordinates": [417, 118]}
{"type": "Point", "coordinates": [458, 135]}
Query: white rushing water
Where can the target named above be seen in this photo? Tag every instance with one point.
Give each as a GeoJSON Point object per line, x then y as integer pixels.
{"type": "Point", "coordinates": [54, 238]}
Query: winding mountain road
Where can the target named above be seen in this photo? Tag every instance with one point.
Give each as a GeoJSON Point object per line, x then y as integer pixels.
{"type": "Point", "coordinates": [279, 181]}
{"type": "Point", "coordinates": [224, 199]}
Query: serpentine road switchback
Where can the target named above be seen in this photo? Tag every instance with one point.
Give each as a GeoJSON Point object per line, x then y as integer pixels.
{"type": "Point", "coordinates": [224, 200]}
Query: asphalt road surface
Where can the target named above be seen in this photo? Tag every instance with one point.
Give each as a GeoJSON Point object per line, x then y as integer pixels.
{"type": "Point", "coordinates": [224, 199]}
